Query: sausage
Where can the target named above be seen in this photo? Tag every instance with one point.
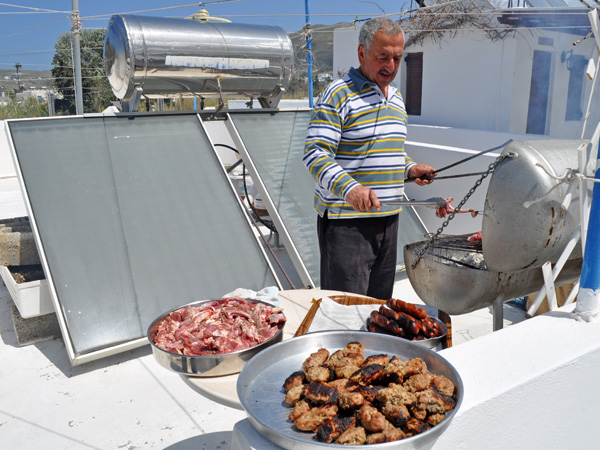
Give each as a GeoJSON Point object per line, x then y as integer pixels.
{"type": "Point", "coordinates": [433, 326]}
{"type": "Point", "coordinates": [383, 322]}
{"type": "Point", "coordinates": [407, 308]}
{"type": "Point", "coordinates": [389, 313]}
{"type": "Point", "coordinates": [411, 325]}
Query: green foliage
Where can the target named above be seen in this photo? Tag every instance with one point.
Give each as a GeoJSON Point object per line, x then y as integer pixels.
{"type": "Point", "coordinates": [31, 107]}
{"type": "Point", "coordinates": [96, 90]}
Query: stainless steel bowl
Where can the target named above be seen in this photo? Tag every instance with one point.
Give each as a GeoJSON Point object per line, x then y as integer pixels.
{"type": "Point", "coordinates": [205, 365]}
{"type": "Point", "coordinates": [260, 386]}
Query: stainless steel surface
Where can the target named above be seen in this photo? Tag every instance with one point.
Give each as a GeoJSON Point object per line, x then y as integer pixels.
{"type": "Point", "coordinates": [261, 393]}
{"type": "Point", "coordinates": [458, 289]}
{"type": "Point", "coordinates": [515, 237]}
{"type": "Point", "coordinates": [209, 365]}
{"type": "Point", "coordinates": [435, 202]}
{"type": "Point", "coordinates": [168, 57]}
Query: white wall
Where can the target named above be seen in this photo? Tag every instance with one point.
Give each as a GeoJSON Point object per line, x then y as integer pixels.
{"type": "Point", "coordinates": [7, 167]}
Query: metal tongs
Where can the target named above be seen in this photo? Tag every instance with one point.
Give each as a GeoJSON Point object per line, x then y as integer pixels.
{"type": "Point", "coordinates": [434, 202]}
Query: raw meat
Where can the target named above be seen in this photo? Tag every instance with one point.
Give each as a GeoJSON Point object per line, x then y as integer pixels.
{"type": "Point", "coordinates": [217, 327]}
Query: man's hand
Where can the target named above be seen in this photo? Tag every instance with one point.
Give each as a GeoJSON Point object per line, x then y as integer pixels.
{"type": "Point", "coordinates": [363, 199]}
{"type": "Point", "coordinates": [422, 174]}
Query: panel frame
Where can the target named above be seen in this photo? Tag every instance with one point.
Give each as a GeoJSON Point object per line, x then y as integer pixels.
{"type": "Point", "coordinates": [82, 358]}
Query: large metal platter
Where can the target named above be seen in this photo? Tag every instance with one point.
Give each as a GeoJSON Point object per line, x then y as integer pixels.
{"type": "Point", "coordinates": [260, 385]}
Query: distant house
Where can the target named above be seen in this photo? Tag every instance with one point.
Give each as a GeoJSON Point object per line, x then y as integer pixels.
{"type": "Point", "coordinates": [507, 70]}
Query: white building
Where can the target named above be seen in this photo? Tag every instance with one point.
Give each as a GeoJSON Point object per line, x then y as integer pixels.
{"type": "Point", "coordinates": [510, 70]}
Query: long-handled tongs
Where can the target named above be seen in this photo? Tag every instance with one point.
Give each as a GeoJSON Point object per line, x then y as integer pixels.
{"type": "Point", "coordinates": [434, 202]}
{"type": "Point", "coordinates": [498, 147]}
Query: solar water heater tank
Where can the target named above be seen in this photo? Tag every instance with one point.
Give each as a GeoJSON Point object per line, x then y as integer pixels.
{"type": "Point", "coordinates": [162, 57]}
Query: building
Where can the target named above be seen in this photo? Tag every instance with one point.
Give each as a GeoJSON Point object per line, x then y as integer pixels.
{"type": "Point", "coordinates": [506, 70]}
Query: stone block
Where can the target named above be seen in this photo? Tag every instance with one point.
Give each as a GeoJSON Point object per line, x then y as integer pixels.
{"type": "Point", "coordinates": [17, 244]}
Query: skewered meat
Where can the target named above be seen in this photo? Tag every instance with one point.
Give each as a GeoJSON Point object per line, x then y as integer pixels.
{"type": "Point", "coordinates": [315, 417]}
{"type": "Point", "coordinates": [334, 427]}
{"type": "Point", "coordinates": [353, 436]}
{"type": "Point", "coordinates": [475, 238]}
{"type": "Point", "coordinates": [442, 212]}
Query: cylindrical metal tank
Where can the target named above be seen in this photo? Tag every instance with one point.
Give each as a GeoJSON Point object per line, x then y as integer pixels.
{"type": "Point", "coordinates": [516, 237]}
{"type": "Point", "coordinates": [181, 57]}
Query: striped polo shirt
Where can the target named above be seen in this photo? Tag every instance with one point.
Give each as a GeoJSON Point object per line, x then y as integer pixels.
{"type": "Point", "coordinates": [356, 136]}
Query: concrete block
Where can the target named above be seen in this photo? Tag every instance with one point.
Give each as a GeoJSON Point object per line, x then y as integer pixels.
{"type": "Point", "coordinates": [17, 244]}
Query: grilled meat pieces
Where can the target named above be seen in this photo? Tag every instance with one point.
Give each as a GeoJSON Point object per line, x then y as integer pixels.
{"type": "Point", "coordinates": [316, 359]}
{"type": "Point", "coordinates": [315, 417]}
{"type": "Point", "coordinates": [348, 399]}
{"type": "Point", "coordinates": [352, 436]}
{"type": "Point", "coordinates": [319, 393]}
{"type": "Point", "coordinates": [334, 427]}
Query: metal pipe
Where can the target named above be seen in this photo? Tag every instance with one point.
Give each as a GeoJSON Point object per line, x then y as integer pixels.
{"type": "Point", "coordinates": [309, 54]}
{"type": "Point", "coordinates": [75, 40]}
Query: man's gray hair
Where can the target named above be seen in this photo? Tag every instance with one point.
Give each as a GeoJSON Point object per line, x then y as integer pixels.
{"type": "Point", "coordinates": [374, 26]}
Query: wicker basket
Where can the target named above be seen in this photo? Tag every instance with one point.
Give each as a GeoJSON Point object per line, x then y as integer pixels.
{"type": "Point", "coordinates": [353, 300]}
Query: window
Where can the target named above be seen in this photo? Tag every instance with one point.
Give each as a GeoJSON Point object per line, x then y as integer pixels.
{"type": "Point", "coordinates": [414, 83]}
{"type": "Point", "coordinates": [576, 65]}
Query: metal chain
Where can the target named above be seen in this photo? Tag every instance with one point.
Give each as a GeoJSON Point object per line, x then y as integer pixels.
{"type": "Point", "coordinates": [489, 170]}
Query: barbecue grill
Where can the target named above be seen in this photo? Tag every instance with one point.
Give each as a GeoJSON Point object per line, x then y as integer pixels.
{"type": "Point", "coordinates": [526, 223]}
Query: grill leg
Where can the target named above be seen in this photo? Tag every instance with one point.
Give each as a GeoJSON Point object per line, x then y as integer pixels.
{"type": "Point", "coordinates": [498, 313]}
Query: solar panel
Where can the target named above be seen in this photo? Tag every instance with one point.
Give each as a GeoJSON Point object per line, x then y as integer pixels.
{"type": "Point", "coordinates": [274, 158]}
{"type": "Point", "coordinates": [134, 216]}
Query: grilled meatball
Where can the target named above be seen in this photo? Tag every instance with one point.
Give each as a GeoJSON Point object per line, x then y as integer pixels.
{"type": "Point", "coordinates": [334, 427]}
{"type": "Point", "coordinates": [350, 400]}
{"type": "Point", "coordinates": [387, 435]}
{"type": "Point", "coordinates": [353, 436]}
{"type": "Point", "coordinates": [295, 379]}
{"type": "Point", "coordinates": [294, 395]}
{"type": "Point", "coordinates": [443, 384]}
{"type": "Point", "coordinates": [418, 382]}
{"type": "Point", "coordinates": [371, 419]}
{"type": "Point", "coordinates": [382, 360]}
{"type": "Point", "coordinates": [300, 408]}
{"type": "Point", "coordinates": [315, 417]}
{"type": "Point", "coordinates": [367, 374]}
{"type": "Point", "coordinates": [319, 393]}
{"type": "Point", "coordinates": [319, 373]}
{"type": "Point", "coordinates": [316, 359]}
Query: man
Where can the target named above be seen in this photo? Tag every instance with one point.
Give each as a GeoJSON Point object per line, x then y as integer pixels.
{"type": "Point", "coordinates": [355, 151]}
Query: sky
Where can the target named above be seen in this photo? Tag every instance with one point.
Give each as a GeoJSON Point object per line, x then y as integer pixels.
{"type": "Point", "coordinates": [30, 28]}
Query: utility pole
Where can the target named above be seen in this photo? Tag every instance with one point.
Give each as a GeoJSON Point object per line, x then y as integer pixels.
{"type": "Point", "coordinates": [75, 40]}
{"type": "Point", "coordinates": [309, 55]}
{"type": "Point", "coordinates": [18, 66]}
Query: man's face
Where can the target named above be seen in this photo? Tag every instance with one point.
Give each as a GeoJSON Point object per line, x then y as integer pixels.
{"type": "Point", "coordinates": [381, 64]}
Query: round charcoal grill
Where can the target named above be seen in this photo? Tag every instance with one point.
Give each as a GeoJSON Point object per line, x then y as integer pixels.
{"type": "Point", "coordinates": [530, 217]}
{"type": "Point", "coordinates": [453, 276]}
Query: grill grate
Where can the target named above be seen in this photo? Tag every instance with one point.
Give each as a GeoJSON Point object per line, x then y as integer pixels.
{"type": "Point", "coordinates": [456, 250]}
